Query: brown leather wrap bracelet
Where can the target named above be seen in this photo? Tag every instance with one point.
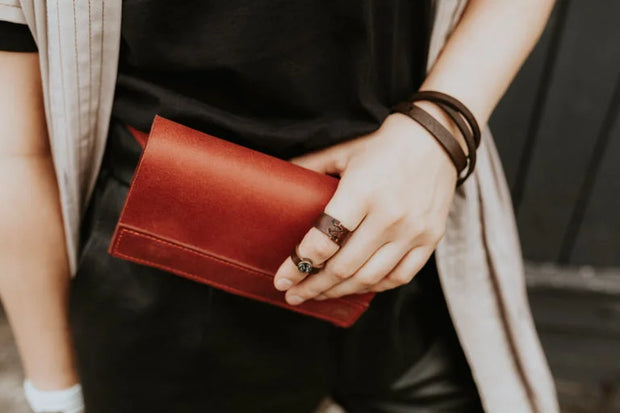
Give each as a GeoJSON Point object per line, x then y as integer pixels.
{"type": "Point", "coordinates": [468, 135]}
{"type": "Point", "coordinates": [439, 97]}
{"type": "Point", "coordinates": [459, 114]}
{"type": "Point", "coordinates": [432, 125]}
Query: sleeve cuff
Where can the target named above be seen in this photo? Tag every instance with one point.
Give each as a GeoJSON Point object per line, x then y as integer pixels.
{"type": "Point", "coordinates": [10, 11]}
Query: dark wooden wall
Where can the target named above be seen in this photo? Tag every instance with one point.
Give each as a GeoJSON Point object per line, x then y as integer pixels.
{"type": "Point", "coordinates": [558, 133]}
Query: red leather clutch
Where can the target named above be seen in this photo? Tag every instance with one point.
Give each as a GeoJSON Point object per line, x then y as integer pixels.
{"type": "Point", "coordinates": [224, 215]}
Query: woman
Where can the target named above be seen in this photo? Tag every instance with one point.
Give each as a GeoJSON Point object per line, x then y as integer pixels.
{"type": "Point", "coordinates": [304, 81]}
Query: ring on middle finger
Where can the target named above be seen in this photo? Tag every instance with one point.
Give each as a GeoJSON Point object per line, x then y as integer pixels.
{"type": "Point", "coordinates": [332, 227]}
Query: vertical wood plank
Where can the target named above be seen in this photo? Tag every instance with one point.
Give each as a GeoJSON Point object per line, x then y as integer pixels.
{"type": "Point", "coordinates": [580, 90]}
{"type": "Point", "coordinates": [598, 230]}
{"type": "Point", "coordinates": [513, 117]}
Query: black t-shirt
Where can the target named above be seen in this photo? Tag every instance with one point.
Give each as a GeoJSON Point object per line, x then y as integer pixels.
{"type": "Point", "coordinates": [16, 38]}
{"type": "Point", "coordinates": [284, 77]}
{"type": "Point", "coordinates": [280, 76]}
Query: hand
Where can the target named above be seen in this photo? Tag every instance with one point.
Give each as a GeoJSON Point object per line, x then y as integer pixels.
{"type": "Point", "coordinates": [395, 190]}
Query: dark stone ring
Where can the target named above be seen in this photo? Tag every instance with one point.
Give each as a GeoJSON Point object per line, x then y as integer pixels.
{"type": "Point", "coordinates": [304, 265]}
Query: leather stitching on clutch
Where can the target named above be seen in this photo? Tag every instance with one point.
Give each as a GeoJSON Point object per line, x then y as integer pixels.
{"type": "Point", "coordinates": [199, 279]}
{"type": "Point", "coordinates": [134, 240]}
{"type": "Point", "coordinates": [124, 231]}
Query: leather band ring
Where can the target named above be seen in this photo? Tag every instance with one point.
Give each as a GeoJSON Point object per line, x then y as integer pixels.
{"type": "Point", "coordinates": [304, 265]}
{"type": "Point", "coordinates": [332, 227]}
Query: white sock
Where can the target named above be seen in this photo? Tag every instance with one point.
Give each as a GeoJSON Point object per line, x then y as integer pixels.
{"type": "Point", "coordinates": [61, 401]}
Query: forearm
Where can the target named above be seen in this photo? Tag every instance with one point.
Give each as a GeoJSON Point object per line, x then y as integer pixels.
{"type": "Point", "coordinates": [485, 51]}
{"type": "Point", "coordinates": [33, 262]}
{"type": "Point", "coordinates": [33, 279]}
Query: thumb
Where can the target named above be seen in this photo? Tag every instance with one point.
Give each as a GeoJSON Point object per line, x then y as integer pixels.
{"type": "Point", "coordinates": [331, 161]}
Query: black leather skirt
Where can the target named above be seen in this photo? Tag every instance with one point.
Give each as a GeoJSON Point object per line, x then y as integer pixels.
{"type": "Point", "coordinates": [149, 341]}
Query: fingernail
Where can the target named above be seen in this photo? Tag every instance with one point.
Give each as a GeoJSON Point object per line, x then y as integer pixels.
{"type": "Point", "coordinates": [295, 299]}
{"type": "Point", "coordinates": [283, 284]}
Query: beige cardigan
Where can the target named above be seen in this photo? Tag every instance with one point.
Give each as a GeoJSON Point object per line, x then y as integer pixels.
{"type": "Point", "coordinates": [479, 258]}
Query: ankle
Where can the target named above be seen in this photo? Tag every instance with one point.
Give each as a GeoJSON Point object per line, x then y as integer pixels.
{"type": "Point", "coordinates": [66, 400]}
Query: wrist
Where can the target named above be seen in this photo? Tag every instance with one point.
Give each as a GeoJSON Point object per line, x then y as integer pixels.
{"type": "Point", "coordinates": [417, 139]}
{"type": "Point", "coordinates": [460, 147]}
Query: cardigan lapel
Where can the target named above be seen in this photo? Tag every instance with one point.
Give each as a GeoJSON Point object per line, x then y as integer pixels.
{"type": "Point", "coordinates": [79, 44]}
{"type": "Point", "coordinates": [480, 268]}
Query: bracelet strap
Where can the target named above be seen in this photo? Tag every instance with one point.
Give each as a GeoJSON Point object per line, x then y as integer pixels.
{"type": "Point", "coordinates": [467, 135]}
{"type": "Point", "coordinates": [434, 96]}
{"type": "Point", "coordinates": [432, 125]}
{"type": "Point", "coordinates": [457, 111]}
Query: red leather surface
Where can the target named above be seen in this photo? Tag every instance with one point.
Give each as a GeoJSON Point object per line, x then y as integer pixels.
{"type": "Point", "coordinates": [225, 215]}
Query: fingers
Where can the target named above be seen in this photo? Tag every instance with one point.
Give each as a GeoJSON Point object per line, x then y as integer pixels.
{"type": "Point", "coordinates": [372, 272]}
{"type": "Point", "coordinates": [317, 246]}
{"type": "Point", "coordinates": [406, 269]}
{"type": "Point", "coordinates": [361, 245]}
{"type": "Point", "coordinates": [327, 161]}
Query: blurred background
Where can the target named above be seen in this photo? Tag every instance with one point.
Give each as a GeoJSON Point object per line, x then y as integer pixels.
{"type": "Point", "coordinates": [558, 133]}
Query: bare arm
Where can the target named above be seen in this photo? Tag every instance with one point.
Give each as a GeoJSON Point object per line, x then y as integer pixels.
{"type": "Point", "coordinates": [397, 184]}
{"type": "Point", "coordinates": [34, 271]}
{"type": "Point", "coordinates": [484, 53]}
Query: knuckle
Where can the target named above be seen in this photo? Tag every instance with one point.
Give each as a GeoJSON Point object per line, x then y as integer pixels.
{"type": "Point", "coordinates": [331, 294]}
{"type": "Point", "coordinates": [394, 212]}
{"type": "Point", "coordinates": [400, 278]}
{"type": "Point", "coordinates": [307, 293]}
{"type": "Point", "coordinates": [412, 227]}
{"type": "Point", "coordinates": [366, 282]}
{"type": "Point", "coordinates": [379, 288]}
{"type": "Point", "coordinates": [320, 248]}
{"type": "Point", "coordinates": [413, 224]}
{"type": "Point", "coordinates": [435, 231]}
{"type": "Point", "coordinates": [438, 233]}
{"type": "Point", "coordinates": [341, 161]}
{"type": "Point", "coordinates": [393, 215]}
{"type": "Point", "coordinates": [338, 271]}
{"type": "Point", "coordinates": [313, 292]}
{"type": "Point", "coordinates": [351, 191]}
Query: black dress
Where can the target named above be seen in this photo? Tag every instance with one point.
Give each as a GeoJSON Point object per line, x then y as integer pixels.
{"type": "Point", "coordinates": [285, 78]}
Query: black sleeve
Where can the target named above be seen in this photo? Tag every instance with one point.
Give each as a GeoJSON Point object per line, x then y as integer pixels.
{"type": "Point", "coordinates": [16, 38]}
